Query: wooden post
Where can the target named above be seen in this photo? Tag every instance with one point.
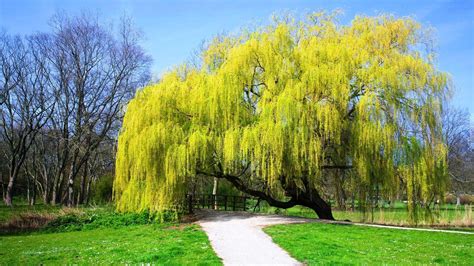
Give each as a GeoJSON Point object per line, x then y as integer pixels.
{"type": "Point", "coordinates": [225, 203]}
{"type": "Point", "coordinates": [214, 193]}
{"type": "Point", "coordinates": [190, 204]}
{"type": "Point", "coordinates": [245, 204]}
{"type": "Point", "coordinates": [233, 203]}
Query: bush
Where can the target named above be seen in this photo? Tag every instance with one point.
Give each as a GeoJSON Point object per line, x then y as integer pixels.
{"type": "Point", "coordinates": [97, 218]}
{"type": "Point", "coordinates": [25, 222]}
{"type": "Point", "coordinates": [450, 198]}
{"type": "Point", "coordinates": [78, 219]}
{"type": "Point", "coordinates": [466, 199]}
{"type": "Point", "coordinates": [102, 189]}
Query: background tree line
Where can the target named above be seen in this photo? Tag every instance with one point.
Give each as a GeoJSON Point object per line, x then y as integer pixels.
{"type": "Point", "coordinates": [62, 98]}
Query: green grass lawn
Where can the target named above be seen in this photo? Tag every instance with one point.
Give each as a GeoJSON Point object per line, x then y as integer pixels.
{"type": "Point", "coordinates": [445, 216]}
{"type": "Point", "coordinates": [322, 244]}
{"type": "Point", "coordinates": [99, 235]}
{"type": "Point", "coordinates": [153, 243]}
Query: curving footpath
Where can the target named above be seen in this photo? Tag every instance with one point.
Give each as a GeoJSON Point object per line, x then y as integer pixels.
{"type": "Point", "coordinates": [238, 238]}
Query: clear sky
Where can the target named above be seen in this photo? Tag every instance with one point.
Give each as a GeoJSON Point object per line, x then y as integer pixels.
{"type": "Point", "coordinates": [173, 29]}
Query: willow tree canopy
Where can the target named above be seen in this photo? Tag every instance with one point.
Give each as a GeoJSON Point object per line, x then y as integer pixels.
{"type": "Point", "coordinates": [275, 109]}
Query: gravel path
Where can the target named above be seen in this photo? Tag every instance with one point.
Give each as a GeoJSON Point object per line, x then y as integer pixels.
{"type": "Point", "coordinates": [238, 239]}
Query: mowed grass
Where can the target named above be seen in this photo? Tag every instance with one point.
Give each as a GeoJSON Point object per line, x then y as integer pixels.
{"type": "Point", "coordinates": [322, 244]}
{"type": "Point", "coordinates": [161, 244]}
{"type": "Point", "coordinates": [99, 235]}
{"type": "Point", "coordinates": [449, 216]}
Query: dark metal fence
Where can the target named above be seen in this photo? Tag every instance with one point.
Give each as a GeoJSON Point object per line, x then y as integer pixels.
{"type": "Point", "coordinates": [216, 202]}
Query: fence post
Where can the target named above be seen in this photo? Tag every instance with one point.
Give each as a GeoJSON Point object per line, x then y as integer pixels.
{"type": "Point", "coordinates": [233, 203]}
{"type": "Point", "coordinates": [225, 203]}
{"type": "Point", "coordinates": [190, 204]}
{"type": "Point", "coordinates": [245, 204]}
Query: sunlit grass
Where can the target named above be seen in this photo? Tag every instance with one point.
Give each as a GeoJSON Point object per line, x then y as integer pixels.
{"type": "Point", "coordinates": [157, 244]}
{"type": "Point", "coordinates": [326, 244]}
{"type": "Point", "coordinates": [443, 216]}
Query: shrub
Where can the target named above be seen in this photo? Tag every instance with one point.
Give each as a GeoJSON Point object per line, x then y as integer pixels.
{"type": "Point", "coordinates": [77, 219]}
{"type": "Point", "coordinates": [27, 221]}
{"type": "Point", "coordinates": [450, 198]}
{"type": "Point", "coordinates": [97, 218]}
{"type": "Point", "coordinates": [466, 199]}
{"type": "Point", "coordinates": [102, 189]}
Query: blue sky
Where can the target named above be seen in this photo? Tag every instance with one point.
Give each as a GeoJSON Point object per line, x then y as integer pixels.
{"type": "Point", "coordinates": [173, 29]}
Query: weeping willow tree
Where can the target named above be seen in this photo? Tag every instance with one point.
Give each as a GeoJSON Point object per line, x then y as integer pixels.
{"type": "Point", "coordinates": [275, 109]}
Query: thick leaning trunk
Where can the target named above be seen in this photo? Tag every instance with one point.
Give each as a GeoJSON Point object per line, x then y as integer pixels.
{"type": "Point", "coordinates": [316, 203]}
{"type": "Point", "coordinates": [310, 199]}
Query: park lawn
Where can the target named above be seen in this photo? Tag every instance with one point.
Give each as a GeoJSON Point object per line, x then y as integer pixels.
{"type": "Point", "coordinates": [322, 244]}
{"type": "Point", "coordinates": [162, 244]}
{"type": "Point", "coordinates": [448, 216]}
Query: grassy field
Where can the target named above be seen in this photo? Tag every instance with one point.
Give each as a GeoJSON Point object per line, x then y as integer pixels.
{"type": "Point", "coordinates": [327, 244]}
{"type": "Point", "coordinates": [449, 216]}
{"type": "Point", "coordinates": [99, 235]}
{"type": "Point", "coordinates": [158, 244]}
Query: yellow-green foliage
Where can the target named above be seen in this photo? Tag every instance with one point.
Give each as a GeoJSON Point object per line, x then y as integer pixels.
{"type": "Point", "coordinates": [289, 99]}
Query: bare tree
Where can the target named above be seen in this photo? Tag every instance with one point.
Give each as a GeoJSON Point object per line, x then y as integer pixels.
{"type": "Point", "coordinates": [95, 72]}
{"type": "Point", "coordinates": [62, 99]}
{"type": "Point", "coordinates": [25, 106]}
{"type": "Point", "coordinates": [457, 134]}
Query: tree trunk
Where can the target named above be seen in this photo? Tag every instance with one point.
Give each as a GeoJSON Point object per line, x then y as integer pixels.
{"type": "Point", "coordinates": [309, 198]}
{"type": "Point", "coordinates": [70, 191]}
{"type": "Point", "coordinates": [82, 191]}
{"type": "Point", "coordinates": [46, 184]}
{"type": "Point", "coordinates": [54, 194]}
{"type": "Point", "coordinates": [11, 182]}
{"type": "Point", "coordinates": [3, 187]}
{"type": "Point", "coordinates": [340, 193]}
{"type": "Point", "coordinates": [353, 201]}
{"type": "Point", "coordinates": [314, 201]}
{"type": "Point", "coordinates": [88, 190]}
{"type": "Point", "coordinates": [28, 197]}
{"type": "Point", "coordinates": [57, 188]}
{"type": "Point", "coordinates": [9, 194]}
{"type": "Point", "coordinates": [33, 192]}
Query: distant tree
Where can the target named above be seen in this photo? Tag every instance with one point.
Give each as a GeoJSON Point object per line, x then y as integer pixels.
{"type": "Point", "coordinates": [274, 110]}
{"type": "Point", "coordinates": [63, 96]}
{"type": "Point", "coordinates": [26, 103]}
{"type": "Point", "coordinates": [460, 142]}
{"type": "Point", "coordinates": [96, 72]}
